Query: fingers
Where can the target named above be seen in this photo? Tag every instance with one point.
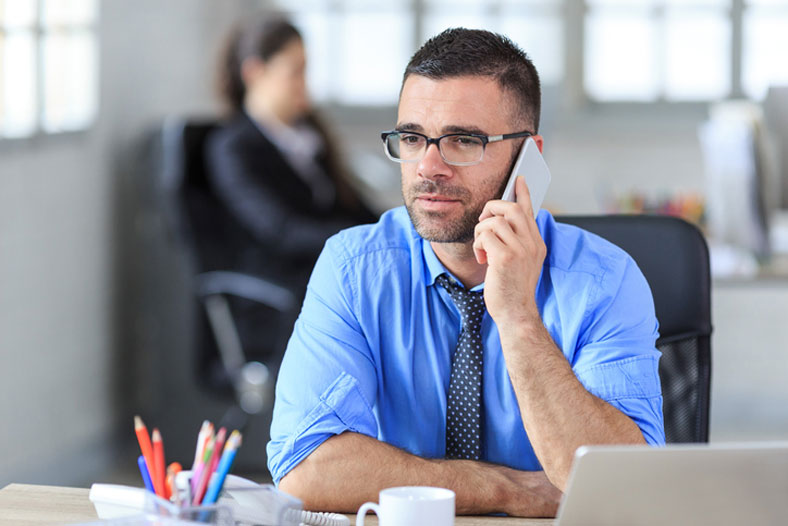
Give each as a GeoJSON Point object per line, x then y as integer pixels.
{"type": "Point", "coordinates": [485, 241]}
{"type": "Point", "coordinates": [523, 196]}
{"type": "Point", "coordinates": [499, 207]}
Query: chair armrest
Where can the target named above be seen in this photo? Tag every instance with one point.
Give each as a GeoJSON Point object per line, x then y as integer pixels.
{"type": "Point", "coordinates": [245, 286]}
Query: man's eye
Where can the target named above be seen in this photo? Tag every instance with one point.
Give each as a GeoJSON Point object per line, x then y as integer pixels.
{"type": "Point", "coordinates": [466, 140]}
{"type": "Point", "coordinates": [410, 139]}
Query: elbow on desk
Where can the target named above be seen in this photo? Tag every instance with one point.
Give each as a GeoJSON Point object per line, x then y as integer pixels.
{"type": "Point", "coordinates": [292, 484]}
{"type": "Point", "coordinates": [300, 485]}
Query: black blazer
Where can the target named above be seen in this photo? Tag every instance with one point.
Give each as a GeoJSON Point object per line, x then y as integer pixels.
{"type": "Point", "coordinates": [264, 194]}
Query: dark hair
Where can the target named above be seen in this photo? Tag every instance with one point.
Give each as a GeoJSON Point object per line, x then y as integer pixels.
{"type": "Point", "coordinates": [263, 38]}
{"type": "Point", "coordinates": [459, 52]}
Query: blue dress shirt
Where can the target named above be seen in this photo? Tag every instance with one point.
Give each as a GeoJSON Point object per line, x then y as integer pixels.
{"type": "Point", "coordinates": [372, 348]}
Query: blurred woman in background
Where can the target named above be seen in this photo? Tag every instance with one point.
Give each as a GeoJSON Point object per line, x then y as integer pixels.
{"type": "Point", "coordinates": [273, 164]}
{"type": "Point", "coordinates": [275, 170]}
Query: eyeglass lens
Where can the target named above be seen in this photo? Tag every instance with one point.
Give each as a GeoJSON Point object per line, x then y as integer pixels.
{"type": "Point", "coordinates": [453, 148]}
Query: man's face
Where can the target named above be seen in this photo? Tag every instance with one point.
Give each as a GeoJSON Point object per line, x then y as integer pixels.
{"type": "Point", "coordinates": [444, 201]}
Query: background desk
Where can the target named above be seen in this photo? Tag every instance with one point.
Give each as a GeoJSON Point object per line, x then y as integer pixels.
{"type": "Point", "coordinates": [27, 505]}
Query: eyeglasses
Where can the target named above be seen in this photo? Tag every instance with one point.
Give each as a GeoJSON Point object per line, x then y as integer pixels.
{"type": "Point", "coordinates": [458, 149]}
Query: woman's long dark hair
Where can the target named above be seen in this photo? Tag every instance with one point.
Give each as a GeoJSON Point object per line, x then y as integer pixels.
{"type": "Point", "coordinates": [263, 38]}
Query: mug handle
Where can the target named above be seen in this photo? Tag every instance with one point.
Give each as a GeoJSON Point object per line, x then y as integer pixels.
{"type": "Point", "coordinates": [362, 511]}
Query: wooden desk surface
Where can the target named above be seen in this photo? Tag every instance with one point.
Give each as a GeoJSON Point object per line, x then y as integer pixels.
{"type": "Point", "coordinates": [28, 505]}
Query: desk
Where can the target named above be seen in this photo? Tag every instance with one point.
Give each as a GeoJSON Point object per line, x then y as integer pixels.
{"type": "Point", "coordinates": [27, 505]}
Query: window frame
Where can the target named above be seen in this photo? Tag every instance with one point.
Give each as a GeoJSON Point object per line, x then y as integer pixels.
{"type": "Point", "coordinates": [39, 31]}
{"type": "Point", "coordinates": [573, 14]}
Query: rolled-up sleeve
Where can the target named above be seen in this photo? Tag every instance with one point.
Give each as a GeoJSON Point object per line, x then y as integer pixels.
{"type": "Point", "coordinates": [327, 382]}
{"type": "Point", "coordinates": [617, 360]}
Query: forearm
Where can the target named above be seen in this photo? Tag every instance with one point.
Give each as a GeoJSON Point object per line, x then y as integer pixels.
{"type": "Point", "coordinates": [349, 469]}
{"type": "Point", "coordinates": [559, 414]}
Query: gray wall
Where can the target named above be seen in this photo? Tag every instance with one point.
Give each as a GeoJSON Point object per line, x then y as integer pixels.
{"type": "Point", "coordinates": [66, 210]}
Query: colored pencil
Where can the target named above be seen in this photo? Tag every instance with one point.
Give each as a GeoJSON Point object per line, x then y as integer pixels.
{"type": "Point", "coordinates": [145, 475]}
{"type": "Point", "coordinates": [210, 465]}
{"type": "Point", "coordinates": [200, 464]}
{"type": "Point", "coordinates": [145, 446]}
{"type": "Point", "coordinates": [169, 483]}
{"type": "Point", "coordinates": [228, 456]}
{"type": "Point", "coordinates": [205, 429]}
{"type": "Point", "coordinates": [158, 461]}
{"type": "Point", "coordinates": [218, 448]}
{"type": "Point", "coordinates": [198, 477]}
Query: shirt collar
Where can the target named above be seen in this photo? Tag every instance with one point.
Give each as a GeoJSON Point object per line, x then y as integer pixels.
{"type": "Point", "coordinates": [434, 268]}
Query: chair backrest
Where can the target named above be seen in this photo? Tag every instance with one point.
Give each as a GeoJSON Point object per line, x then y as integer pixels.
{"type": "Point", "coordinates": [674, 258]}
{"type": "Point", "coordinates": [212, 237]}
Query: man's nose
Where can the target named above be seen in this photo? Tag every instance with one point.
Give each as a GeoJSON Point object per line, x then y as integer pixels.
{"type": "Point", "coordinates": [432, 164]}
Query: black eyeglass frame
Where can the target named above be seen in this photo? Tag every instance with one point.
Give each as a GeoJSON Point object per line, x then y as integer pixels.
{"type": "Point", "coordinates": [436, 141]}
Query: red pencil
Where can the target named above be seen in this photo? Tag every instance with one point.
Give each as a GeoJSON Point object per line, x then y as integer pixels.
{"type": "Point", "coordinates": [159, 473]}
{"type": "Point", "coordinates": [210, 466]}
{"type": "Point", "coordinates": [145, 446]}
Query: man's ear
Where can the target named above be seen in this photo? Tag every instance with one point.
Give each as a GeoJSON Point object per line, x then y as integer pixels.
{"type": "Point", "coordinates": [539, 142]}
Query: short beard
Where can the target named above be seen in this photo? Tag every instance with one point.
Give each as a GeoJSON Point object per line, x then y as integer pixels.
{"type": "Point", "coordinates": [461, 231]}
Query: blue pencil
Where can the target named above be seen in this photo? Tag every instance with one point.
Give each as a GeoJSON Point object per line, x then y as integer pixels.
{"type": "Point", "coordinates": [226, 462]}
{"type": "Point", "coordinates": [145, 474]}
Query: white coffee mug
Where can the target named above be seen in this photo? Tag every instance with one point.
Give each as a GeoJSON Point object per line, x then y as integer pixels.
{"type": "Point", "coordinates": [411, 505]}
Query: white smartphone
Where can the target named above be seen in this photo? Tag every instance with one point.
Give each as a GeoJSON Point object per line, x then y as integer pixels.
{"type": "Point", "coordinates": [530, 164]}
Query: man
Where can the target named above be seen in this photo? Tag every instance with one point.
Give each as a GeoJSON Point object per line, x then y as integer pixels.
{"type": "Point", "coordinates": [396, 375]}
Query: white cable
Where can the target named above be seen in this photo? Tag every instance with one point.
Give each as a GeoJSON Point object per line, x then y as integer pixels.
{"type": "Point", "coordinates": [312, 518]}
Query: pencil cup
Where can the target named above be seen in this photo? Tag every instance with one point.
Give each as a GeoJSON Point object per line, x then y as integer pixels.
{"type": "Point", "coordinates": [123, 505]}
{"type": "Point", "coordinates": [409, 505]}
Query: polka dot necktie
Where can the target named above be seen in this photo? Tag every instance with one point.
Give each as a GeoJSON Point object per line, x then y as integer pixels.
{"type": "Point", "coordinates": [464, 406]}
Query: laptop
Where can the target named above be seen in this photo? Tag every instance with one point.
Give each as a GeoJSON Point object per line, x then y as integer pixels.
{"type": "Point", "coordinates": [693, 484]}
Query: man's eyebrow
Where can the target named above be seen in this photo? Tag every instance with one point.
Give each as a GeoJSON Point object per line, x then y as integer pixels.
{"type": "Point", "coordinates": [409, 126]}
{"type": "Point", "coordinates": [412, 126]}
{"type": "Point", "coordinates": [464, 129]}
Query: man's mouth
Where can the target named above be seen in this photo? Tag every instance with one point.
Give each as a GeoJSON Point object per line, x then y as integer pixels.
{"type": "Point", "coordinates": [437, 198]}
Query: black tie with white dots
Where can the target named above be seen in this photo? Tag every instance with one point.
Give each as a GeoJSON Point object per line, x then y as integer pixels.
{"type": "Point", "coordinates": [464, 405]}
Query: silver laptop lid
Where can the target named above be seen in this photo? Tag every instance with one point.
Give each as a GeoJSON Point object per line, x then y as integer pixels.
{"type": "Point", "coordinates": [716, 484]}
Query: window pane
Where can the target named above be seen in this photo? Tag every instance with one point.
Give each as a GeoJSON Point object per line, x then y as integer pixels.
{"type": "Point", "coordinates": [17, 85]}
{"type": "Point", "coordinates": [620, 56]}
{"type": "Point", "coordinates": [780, 3]}
{"type": "Point", "coordinates": [650, 3]}
{"type": "Point", "coordinates": [765, 42]}
{"type": "Point", "coordinates": [376, 49]}
{"type": "Point", "coordinates": [69, 12]}
{"type": "Point", "coordinates": [551, 3]}
{"type": "Point", "coordinates": [624, 3]}
{"type": "Point", "coordinates": [322, 50]}
{"type": "Point", "coordinates": [697, 55]}
{"type": "Point", "coordinates": [69, 62]}
{"type": "Point", "coordinates": [692, 3]}
{"type": "Point", "coordinates": [455, 5]}
{"type": "Point", "coordinates": [17, 13]}
{"type": "Point", "coordinates": [541, 37]}
{"type": "Point", "coordinates": [472, 17]}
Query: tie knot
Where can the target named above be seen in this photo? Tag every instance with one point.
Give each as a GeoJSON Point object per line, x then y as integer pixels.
{"type": "Point", "coordinates": [469, 303]}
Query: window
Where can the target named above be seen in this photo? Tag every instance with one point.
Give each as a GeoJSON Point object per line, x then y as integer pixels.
{"type": "Point", "coordinates": [48, 66]}
{"type": "Point", "coordinates": [358, 49]}
{"type": "Point", "coordinates": [644, 50]}
{"type": "Point", "coordinates": [765, 39]}
{"type": "Point", "coordinates": [605, 50]}
{"type": "Point", "coordinates": [684, 50]}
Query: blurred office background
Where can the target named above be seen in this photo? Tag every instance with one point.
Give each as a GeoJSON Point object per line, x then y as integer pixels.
{"type": "Point", "coordinates": [678, 106]}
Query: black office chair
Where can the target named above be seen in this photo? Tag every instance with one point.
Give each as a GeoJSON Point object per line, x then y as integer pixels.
{"type": "Point", "coordinates": [212, 240]}
{"type": "Point", "coordinates": [674, 258]}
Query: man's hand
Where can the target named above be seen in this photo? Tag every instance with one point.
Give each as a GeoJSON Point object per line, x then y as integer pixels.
{"type": "Point", "coordinates": [508, 241]}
